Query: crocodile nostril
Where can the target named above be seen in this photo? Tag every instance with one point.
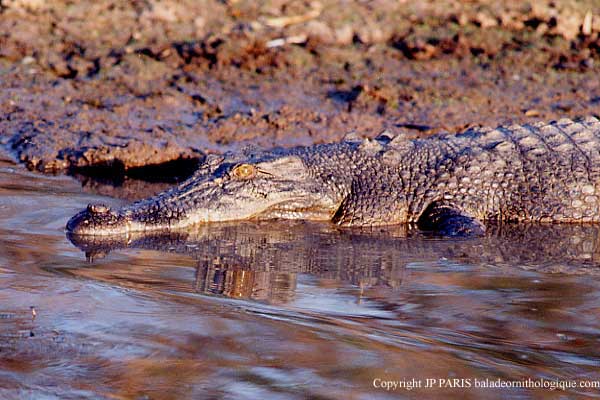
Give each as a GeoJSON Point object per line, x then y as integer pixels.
{"type": "Point", "coordinates": [98, 208]}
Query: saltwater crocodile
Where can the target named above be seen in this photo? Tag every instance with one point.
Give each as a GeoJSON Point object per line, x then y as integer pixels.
{"type": "Point", "coordinates": [454, 184]}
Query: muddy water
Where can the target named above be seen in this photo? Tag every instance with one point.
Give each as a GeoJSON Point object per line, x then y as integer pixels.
{"type": "Point", "coordinates": [287, 310]}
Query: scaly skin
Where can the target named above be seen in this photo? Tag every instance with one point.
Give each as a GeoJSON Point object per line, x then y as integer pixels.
{"type": "Point", "coordinates": [535, 172]}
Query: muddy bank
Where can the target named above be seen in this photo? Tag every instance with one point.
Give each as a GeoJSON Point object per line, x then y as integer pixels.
{"type": "Point", "coordinates": [126, 85]}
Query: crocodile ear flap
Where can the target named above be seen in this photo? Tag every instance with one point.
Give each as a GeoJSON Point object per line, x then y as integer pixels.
{"type": "Point", "coordinates": [287, 166]}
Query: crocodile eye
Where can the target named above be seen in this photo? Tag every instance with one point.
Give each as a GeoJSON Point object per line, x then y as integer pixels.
{"type": "Point", "coordinates": [244, 171]}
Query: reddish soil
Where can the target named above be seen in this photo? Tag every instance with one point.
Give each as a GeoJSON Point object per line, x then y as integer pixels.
{"type": "Point", "coordinates": [128, 85]}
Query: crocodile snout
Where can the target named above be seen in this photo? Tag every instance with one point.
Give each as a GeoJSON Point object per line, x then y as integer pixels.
{"type": "Point", "coordinates": [95, 219]}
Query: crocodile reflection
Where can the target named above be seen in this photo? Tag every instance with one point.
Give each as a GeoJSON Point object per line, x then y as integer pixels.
{"type": "Point", "coordinates": [262, 260]}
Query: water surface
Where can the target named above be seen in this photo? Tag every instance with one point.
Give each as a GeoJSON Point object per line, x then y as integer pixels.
{"type": "Point", "coordinates": [286, 310]}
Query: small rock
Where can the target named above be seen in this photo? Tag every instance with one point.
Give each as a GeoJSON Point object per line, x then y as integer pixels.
{"type": "Point", "coordinates": [541, 29]}
{"type": "Point", "coordinates": [586, 27]}
{"type": "Point", "coordinates": [321, 32]}
{"type": "Point", "coordinates": [485, 20]}
{"type": "Point", "coordinates": [511, 21]}
{"type": "Point", "coordinates": [568, 25]}
{"type": "Point", "coordinates": [200, 25]}
{"type": "Point", "coordinates": [370, 33]}
{"type": "Point", "coordinates": [58, 64]}
{"type": "Point", "coordinates": [344, 35]}
{"type": "Point", "coordinates": [463, 19]}
{"type": "Point", "coordinates": [29, 5]}
{"type": "Point", "coordinates": [27, 60]}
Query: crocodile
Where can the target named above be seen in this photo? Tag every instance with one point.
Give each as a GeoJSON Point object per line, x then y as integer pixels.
{"type": "Point", "coordinates": [452, 184]}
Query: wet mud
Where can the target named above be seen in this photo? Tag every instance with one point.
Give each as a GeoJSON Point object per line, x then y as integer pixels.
{"type": "Point", "coordinates": [177, 80]}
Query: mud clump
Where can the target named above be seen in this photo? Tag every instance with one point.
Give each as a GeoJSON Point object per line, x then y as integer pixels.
{"type": "Point", "coordinates": [178, 80]}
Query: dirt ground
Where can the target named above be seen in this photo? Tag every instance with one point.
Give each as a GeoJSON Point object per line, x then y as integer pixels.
{"type": "Point", "coordinates": [146, 82]}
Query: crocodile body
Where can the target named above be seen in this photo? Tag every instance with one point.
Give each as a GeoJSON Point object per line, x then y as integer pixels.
{"type": "Point", "coordinates": [543, 172]}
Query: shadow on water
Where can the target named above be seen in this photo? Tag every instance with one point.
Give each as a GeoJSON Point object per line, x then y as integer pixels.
{"type": "Point", "coordinates": [286, 309]}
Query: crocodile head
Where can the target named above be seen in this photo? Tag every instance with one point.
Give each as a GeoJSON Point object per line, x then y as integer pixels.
{"type": "Point", "coordinates": [267, 185]}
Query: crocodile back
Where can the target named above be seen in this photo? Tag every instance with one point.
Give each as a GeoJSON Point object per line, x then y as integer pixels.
{"type": "Point", "coordinates": [547, 172]}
